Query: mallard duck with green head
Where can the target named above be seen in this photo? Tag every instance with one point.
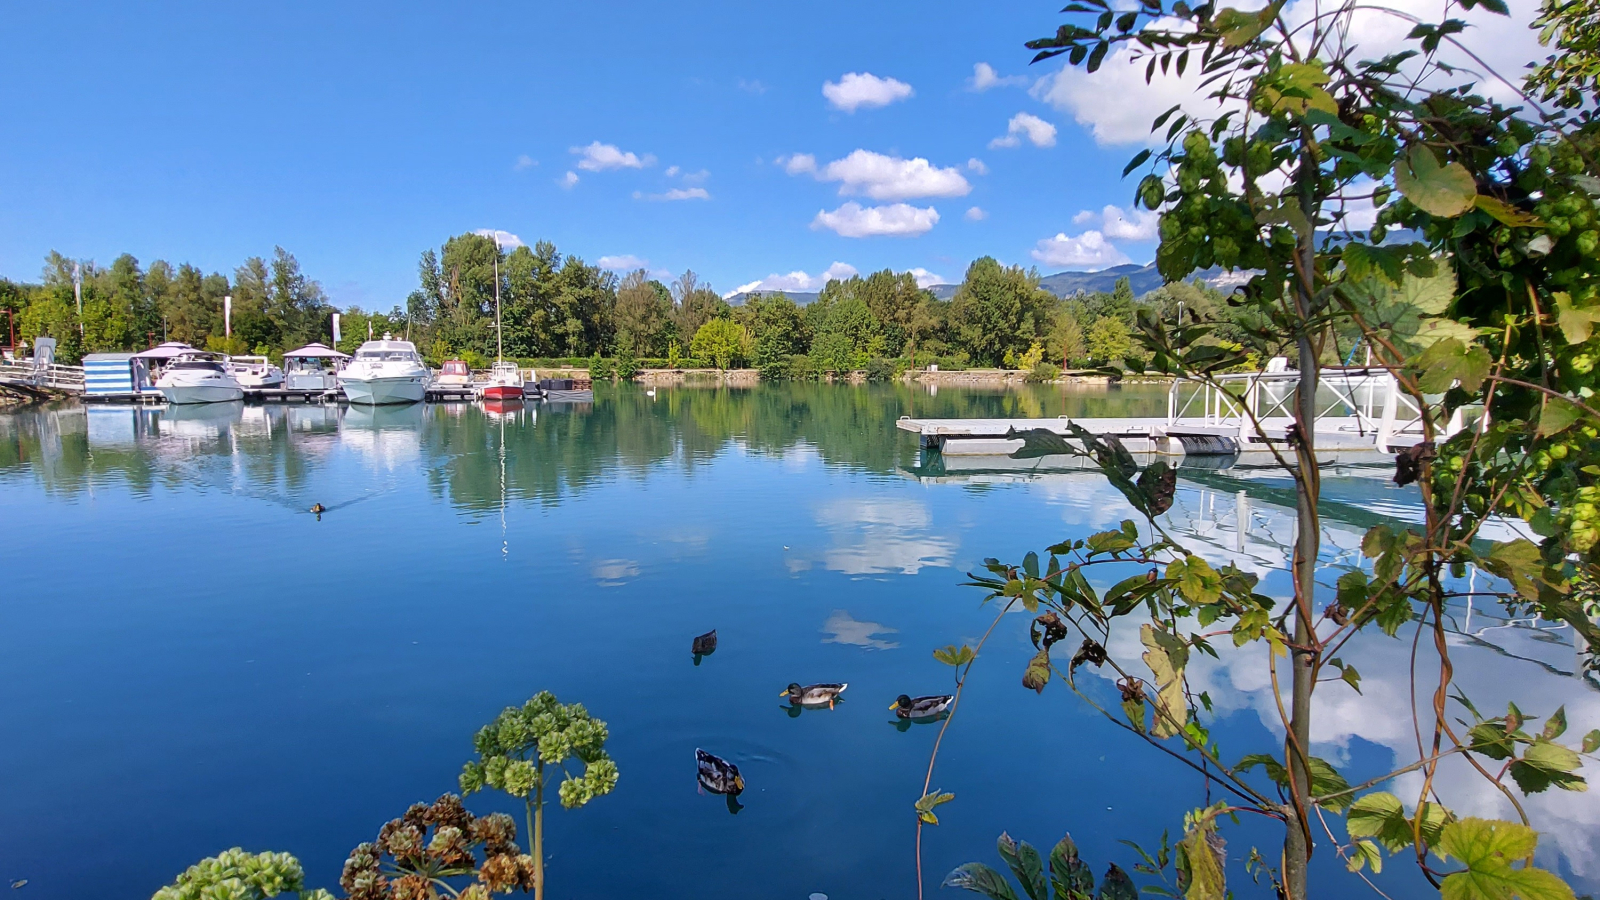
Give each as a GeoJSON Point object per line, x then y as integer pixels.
{"type": "Point", "coordinates": [921, 707]}
{"type": "Point", "coordinates": [813, 694]}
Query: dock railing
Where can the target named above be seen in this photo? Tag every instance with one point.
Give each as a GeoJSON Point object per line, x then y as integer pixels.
{"type": "Point", "coordinates": [55, 377]}
{"type": "Point", "coordinates": [1360, 399]}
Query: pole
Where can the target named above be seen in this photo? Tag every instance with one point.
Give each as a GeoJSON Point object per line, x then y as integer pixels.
{"type": "Point", "coordinates": [227, 315]}
{"type": "Point", "coordinates": [499, 335]}
{"type": "Point", "coordinates": [11, 320]}
{"type": "Point", "coordinates": [77, 292]}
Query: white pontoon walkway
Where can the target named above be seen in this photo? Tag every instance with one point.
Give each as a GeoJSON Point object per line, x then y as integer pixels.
{"type": "Point", "coordinates": [1359, 409]}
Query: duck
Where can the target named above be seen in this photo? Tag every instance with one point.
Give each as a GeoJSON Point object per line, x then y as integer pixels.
{"type": "Point", "coordinates": [813, 694]}
{"type": "Point", "coordinates": [318, 508]}
{"type": "Point", "coordinates": [921, 707]}
{"type": "Point", "coordinates": [705, 643]}
{"type": "Point", "coordinates": [717, 775]}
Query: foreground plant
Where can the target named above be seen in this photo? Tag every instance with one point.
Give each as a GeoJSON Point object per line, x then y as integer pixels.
{"type": "Point", "coordinates": [1485, 320]}
{"type": "Point", "coordinates": [237, 875]}
{"type": "Point", "coordinates": [1069, 877]}
{"type": "Point", "coordinates": [516, 748]}
{"type": "Point", "coordinates": [426, 853]}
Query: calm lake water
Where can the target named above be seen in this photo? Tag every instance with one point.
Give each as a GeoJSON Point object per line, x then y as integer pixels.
{"type": "Point", "coordinates": [191, 661]}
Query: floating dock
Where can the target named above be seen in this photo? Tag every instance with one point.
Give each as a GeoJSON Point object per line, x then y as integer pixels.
{"type": "Point", "coordinates": [1359, 410]}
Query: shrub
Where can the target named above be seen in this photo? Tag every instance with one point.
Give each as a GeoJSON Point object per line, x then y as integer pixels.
{"type": "Point", "coordinates": [879, 369]}
{"type": "Point", "coordinates": [1044, 371]}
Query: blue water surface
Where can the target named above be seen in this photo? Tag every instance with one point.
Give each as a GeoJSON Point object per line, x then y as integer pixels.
{"type": "Point", "coordinates": [191, 661]}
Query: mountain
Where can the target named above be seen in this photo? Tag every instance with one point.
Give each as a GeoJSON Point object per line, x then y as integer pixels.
{"type": "Point", "coordinates": [1143, 280]}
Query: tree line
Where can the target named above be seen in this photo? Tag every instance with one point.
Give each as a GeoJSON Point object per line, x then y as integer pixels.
{"type": "Point", "coordinates": [559, 306]}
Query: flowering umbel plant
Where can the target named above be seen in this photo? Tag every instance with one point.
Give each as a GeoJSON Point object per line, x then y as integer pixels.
{"type": "Point", "coordinates": [420, 854]}
{"type": "Point", "coordinates": [517, 748]}
{"type": "Point", "coordinates": [238, 875]}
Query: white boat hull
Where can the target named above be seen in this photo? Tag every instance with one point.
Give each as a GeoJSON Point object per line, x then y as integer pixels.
{"type": "Point", "coordinates": [202, 393]}
{"type": "Point", "coordinates": [378, 391]}
{"type": "Point", "coordinates": [258, 383]}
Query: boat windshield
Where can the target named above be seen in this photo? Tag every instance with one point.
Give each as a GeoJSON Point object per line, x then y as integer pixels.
{"type": "Point", "coordinates": [390, 355]}
{"type": "Point", "coordinates": [204, 365]}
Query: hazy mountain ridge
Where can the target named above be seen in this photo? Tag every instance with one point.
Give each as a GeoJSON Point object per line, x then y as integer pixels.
{"type": "Point", "coordinates": [1143, 279]}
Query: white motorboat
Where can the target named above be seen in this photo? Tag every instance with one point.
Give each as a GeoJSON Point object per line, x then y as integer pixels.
{"type": "Point", "coordinates": [505, 382]}
{"type": "Point", "coordinates": [453, 374]}
{"type": "Point", "coordinates": [314, 367]}
{"type": "Point", "coordinates": [255, 372]}
{"type": "Point", "coordinates": [199, 377]}
{"type": "Point", "coordinates": [386, 371]}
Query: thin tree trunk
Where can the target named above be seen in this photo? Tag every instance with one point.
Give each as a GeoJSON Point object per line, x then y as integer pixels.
{"type": "Point", "coordinates": [1297, 839]}
{"type": "Point", "coordinates": [538, 837]}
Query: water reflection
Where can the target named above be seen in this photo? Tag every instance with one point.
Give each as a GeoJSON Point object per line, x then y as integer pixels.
{"type": "Point", "coordinates": [842, 628]}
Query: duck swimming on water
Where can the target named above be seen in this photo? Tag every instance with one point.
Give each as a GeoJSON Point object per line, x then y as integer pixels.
{"type": "Point", "coordinates": [813, 694]}
{"type": "Point", "coordinates": [705, 643]}
{"type": "Point", "coordinates": [921, 707]}
{"type": "Point", "coordinates": [717, 775]}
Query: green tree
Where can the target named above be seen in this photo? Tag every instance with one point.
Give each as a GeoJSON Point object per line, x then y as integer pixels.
{"type": "Point", "coordinates": [296, 305]}
{"type": "Point", "coordinates": [722, 341]}
{"type": "Point", "coordinates": [998, 309]}
{"type": "Point", "coordinates": [777, 326]}
{"type": "Point", "coordinates": [515, 750]}
{"type": "Point", "coordinates": [252, 302]}
{"type": "Point", "coordinates": [1108, 340]}
{"type": "Point", "coordinates": [643, 315]}
{"type": "Point", "coordinates": [695, 303]}
{"type": "Point", "coordinates": [189, 311]}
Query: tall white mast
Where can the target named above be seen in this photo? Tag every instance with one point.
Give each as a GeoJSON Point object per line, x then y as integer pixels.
{"type": "Point", "coordinates": [499, 339]}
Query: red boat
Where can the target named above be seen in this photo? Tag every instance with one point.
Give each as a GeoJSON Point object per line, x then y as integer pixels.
{"type": "Point", "coordinates": [505, 382]}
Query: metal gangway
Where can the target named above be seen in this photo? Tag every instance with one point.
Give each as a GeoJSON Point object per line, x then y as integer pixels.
{"type": "Point", "coordinates": [1360, 404]}
{"type": "Point", "coordinates": [41, 378]}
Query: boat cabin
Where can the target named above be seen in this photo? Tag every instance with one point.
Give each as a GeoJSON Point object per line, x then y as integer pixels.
{"type": "Point", "coordinates": [314, 367]}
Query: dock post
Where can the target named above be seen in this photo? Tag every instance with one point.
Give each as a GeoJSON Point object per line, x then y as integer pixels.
{"type": "Point", "coordinates": [1241, 519]}
{"type": "Point", "coordinates": [1386, 427]}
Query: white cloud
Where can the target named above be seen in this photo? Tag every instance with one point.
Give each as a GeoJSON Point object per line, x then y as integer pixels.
{"type": "Point", "coordinates": [799, 162]}
{"type": "Point", "coordinates": [504, 238]}
{"type": "Point", "coordinates": [1376, 32]}
{"type": "Point", "coordinates": [696, 177]}
{"type": "Point", "coordinates": [1089, 250]}
{"type": "Point", "coordinates": [858, 89]}
{"type": "Point", "coordinates": [926, 278]}
{"type": "Point", "coordinates": [524, 162]}
{"type": "Point", "coordinates": [1117, 224]}
{"type": "Point", "coordinates": [625, 262]}
{"type": "Point", "coordinates": [976, 214]}
{"type": "Point", "coordinates": [796, 280]}
{"type": "Point", "coordinates": [883, 177]}
{"type": "Point", "coordinates": [598, 157]}
{"type": "Point", "coordinates": [899, 219]}
{"type": "Point", "coordinates": [976, 166]}
{"type": "Point", "coordinates": [1026, 125]}
{"type": "Point", "coordinates": [752, 86]}
{"type": "Point", "coordinates": [672, 171]}
{"type": "Point", "coordinates": [568, 180]}
{"type": "Point", "coordinates": [984, 78]}
{"type": "Point", "coordinates": [694, 193]}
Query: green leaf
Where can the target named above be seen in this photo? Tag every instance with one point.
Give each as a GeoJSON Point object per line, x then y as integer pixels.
{"type": "Point", "coordinates": [1444, 191]}
{"type": "Point", "coordinates": [1206, 878]}
{"type": "Point", "coordinates": [1545, 764]}
{"type": "Point", "coordinates": [1556, 725]}
{"type": "Point", "coordinates": [1591, 741]}
{"type": "Point", "coordinates": [1240, 28]}
{"type": "Point", "coordinates": [1171, 709]}
{"type": "Point", "coordinates": [1519, 562]}
{"type": "Point", "coordinates": [1488, 848]}
{"type": "Point", "coordinates": [1558, 415]}
{"type": "Point", "coordinates": [1380, 815]}
{"type": "Point", "coordinates": [1365, 853]}
{"type": "Point", "coordinates": [1197, 581]}
{"type": "Point", "coordinates": [980, 879]}
{"type": "Point", "coordinates": [1447, 361]}
{"type": "Point", "coordinates": [1576, 323]}
{"type": "Point", "coordinates": [951, 655]}
{"type": "Point", "coordinates": [1025, 864]}
{"type": "Point", "coordinates": [1070, 876]}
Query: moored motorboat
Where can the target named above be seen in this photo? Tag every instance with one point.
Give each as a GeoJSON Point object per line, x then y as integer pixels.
{"type": "Point", "coordinates": [199, 377]}
{"type": "Point", "coordinates": [453, 374]}
{"type": "Point", "coordinates": [505, 382]}
{"type": "Point", "coordinates": [385, 371]}
{"type": "Point", "coordinates": [255, 372]}
{"type": "Point", "coordinates": [314, 367]}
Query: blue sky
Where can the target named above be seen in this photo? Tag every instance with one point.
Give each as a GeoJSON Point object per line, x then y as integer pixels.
{"type": "Point", "coordinates": [358, 135]}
